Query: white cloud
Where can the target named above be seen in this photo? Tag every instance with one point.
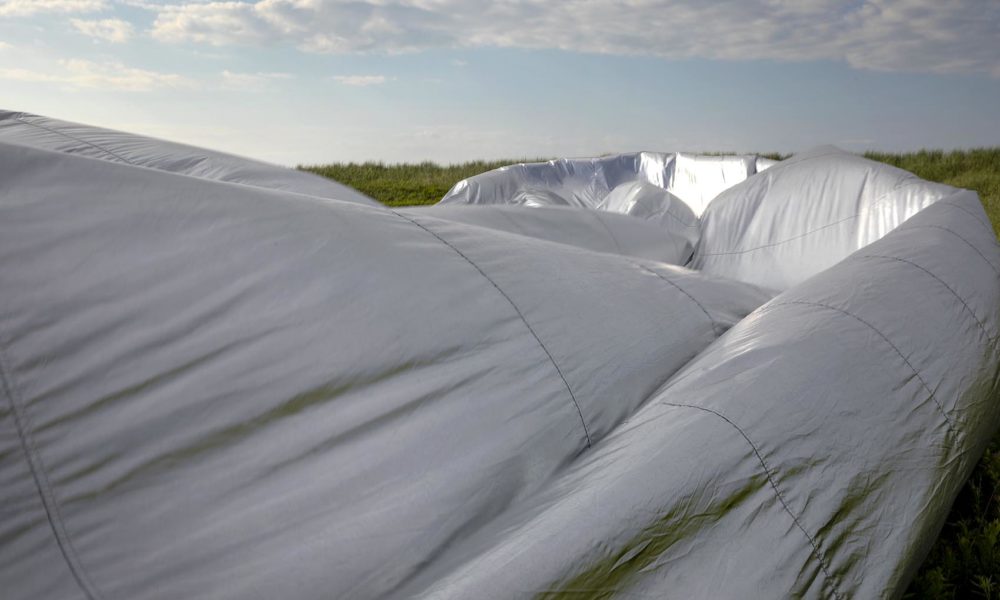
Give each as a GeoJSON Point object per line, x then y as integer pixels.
{"type": "Point", "coordinates": [242, 81]}
{"type": "Point", "coordinates": [77, 73]}
{"type": "Point", "coordinates": [215, 23]}
{"type": "Point", "coordinates": [5, 46]}
{"type": "Point", "coordinates": [360, 80]}
{"type": "Point", "coordinates": [27, 8]}
{"type": "Point", "coordinates": [17, 74]}
{"type": "Point", "coordinates": [115, 31]}
{"type": "Point", "coordinates": [909, 35]}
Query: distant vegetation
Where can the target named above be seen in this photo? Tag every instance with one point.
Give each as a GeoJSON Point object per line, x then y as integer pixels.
{"type": "Point", "coordinates": [426, 182]}
{"type": "Point", "coordinates": [407, 184]}
{"type": "Point", "coordinates": [965, 560]}
{"type": "Point", "coordinates": [977, 169]}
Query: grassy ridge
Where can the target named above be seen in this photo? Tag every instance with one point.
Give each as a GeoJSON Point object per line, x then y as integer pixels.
{"type": "Point", "coordinates": [965, 560]}
{"type": "Point", "coordinates": [406, 184]}
{"type": "Point", "coordinates": [427, 182]}
{"type": "Point", "coordinates": [977, 169]}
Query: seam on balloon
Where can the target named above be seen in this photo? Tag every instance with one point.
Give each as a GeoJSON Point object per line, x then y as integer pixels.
{"type": "Point", "coordinates": [678, 219]}
{"type": "Point", "coordinates": [667, 212]}
{"type": "Point", "coordinates": [43, 486]}
{"type": "Point", "coordinates": [944, 413]}
{"type": "Point", "coordinates": [827, 226]}
{"type": "Point", "coordinates": [982, 326]}
{"type": "Point", "coordinates": [74, 138]}
{"type": "Point", "coordinates": [985, 224]}
{"type": "Point", "coordinates": [967, 243]}
{"type": "Point", "coordinates": [820, 557]}
{"type": "Point", "coordinates": [776, 167]}
{"type": "Point", "coordinates": [614, 240]}
{"type": "Point", "coordinates": [715, 325]}
{"type": "Point", "coordinates": [572, 396]}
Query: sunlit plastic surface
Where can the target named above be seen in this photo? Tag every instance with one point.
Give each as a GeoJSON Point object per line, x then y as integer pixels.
{"type": "Point", "coordinates": [268, 388]}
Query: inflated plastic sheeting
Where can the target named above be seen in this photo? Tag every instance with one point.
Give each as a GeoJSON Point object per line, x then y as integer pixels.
{"type": "Point", "coordinates": [648, 202]}
{"type": "Point", "coordinates": [233, 391]}
{"type": "Point", "coordinates": [590, 229]}
{"type": "Point", "coordinates": [230, 392]}
{"type": "Point", "coordinates": [806, 214]}
{"type": "Point", "coordinates": [104, 144]}
{"type": "Point", "coordinates": [586, 182]}
{"type": "Point", "coordinates": [774, 229]}
{"type": "Point", "coordinates": [814, 450]}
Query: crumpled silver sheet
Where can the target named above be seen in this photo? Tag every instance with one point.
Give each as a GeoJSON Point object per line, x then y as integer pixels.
{"type": "Point", "coordinates": [807, 214]}
{"type": "Point", "coordinates": [233, 391]}
{"type": "Point", "coordinates": [597, 230]}
{"type": "Point", "coordinates": [689, 179]}
{"type": "Point", "coordinates": [35, 131]}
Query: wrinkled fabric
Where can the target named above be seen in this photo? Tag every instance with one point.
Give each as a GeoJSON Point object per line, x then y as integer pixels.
{"type": "Point", "coordinates": [807, 214]}
{"type": "Point", "coordinates": [241, 389]}
{"type": "Point", "coordinates": [26, 129]}
{"type": "Point", "coordinates": [587, 182]}
{"type": "Point", "coordinates": [591, 229]}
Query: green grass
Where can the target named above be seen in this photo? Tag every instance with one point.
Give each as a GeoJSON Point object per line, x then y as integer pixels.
{"type": "Point", "coordinates": [965, 560]}
{"type": "Point", "coordinates": [406, 184]}
{"type": "Point", "coordinates": [977, 169]}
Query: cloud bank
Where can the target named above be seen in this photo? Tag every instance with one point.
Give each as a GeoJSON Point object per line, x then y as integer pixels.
{"type": "Point", "coordinates": [360, 80]}
{"type": "Point", "coordinates": [250, 81]}
{"type": "Point", "coordinates": [27, 8]}
{"type": "Point", "coordinates": [115, 31]}
{"type": "Point", "coordinates": [78, 73]}
{"type": "Point", "coordinates": [894, 35]}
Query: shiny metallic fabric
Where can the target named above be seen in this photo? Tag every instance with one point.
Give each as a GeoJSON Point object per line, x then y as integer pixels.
{"type": "Point", "coordinates": [222, 379]}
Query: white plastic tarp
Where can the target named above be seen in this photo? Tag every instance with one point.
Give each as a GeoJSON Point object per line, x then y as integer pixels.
{"type": "Point", "coordinates": [236, 381]}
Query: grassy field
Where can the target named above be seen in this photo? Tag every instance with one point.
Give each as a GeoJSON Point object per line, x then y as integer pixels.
{"type": "Point", "coordinates": [965, 560]}
{"type": "Point", "coordinates": [406, 184]}
{"type": "Point", "coordinates": [971, 169]}
{"type": "Point", "coordinates": [427, 182]}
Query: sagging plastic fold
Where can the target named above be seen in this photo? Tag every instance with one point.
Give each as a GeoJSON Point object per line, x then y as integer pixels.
{"type": "Point", "coordinates": [251, 384]}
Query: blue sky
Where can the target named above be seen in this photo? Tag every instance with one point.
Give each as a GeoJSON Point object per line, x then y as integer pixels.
{"type": "Point", "coordinates": [307, 81]}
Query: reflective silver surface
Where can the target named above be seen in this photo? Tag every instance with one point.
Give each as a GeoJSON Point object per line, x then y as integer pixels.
{"type": "Point", "coordinates": [248, 383]}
